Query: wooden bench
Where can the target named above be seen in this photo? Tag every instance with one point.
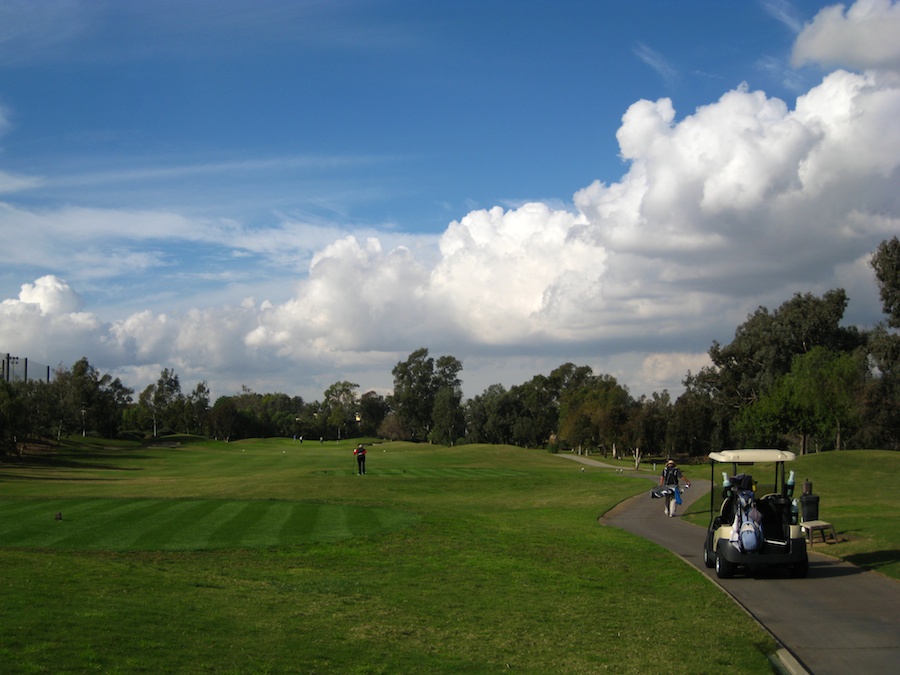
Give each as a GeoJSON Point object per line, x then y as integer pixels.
{"type": "Point", "coordinates": [810, 526]}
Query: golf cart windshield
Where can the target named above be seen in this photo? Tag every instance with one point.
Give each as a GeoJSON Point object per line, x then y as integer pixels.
{"type": "Point", "coordinates": [740, 461]}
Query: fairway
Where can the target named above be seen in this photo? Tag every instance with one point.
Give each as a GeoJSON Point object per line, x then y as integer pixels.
{"type": "Point", "coordinates": [268, 556]}
{"type": "Point", "coordinates": [186, 524]}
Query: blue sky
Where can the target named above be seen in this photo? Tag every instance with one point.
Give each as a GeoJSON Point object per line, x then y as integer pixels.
{"type": "Point", "coordinates": [288, 194]}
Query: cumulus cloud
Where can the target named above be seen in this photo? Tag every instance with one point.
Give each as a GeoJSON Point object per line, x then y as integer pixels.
{"type": "Point", "coordinates": [51, 295]}
{"type": "Point", "coordinates": [740, 202]}
{"type": "Point", "coordinates": [863, 36]}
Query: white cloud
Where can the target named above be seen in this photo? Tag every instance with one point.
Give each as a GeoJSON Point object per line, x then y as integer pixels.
{"type": "Point", "coordinates": [11, 182]}
{"type": "Point", "coordinates": [52, 295]}
{"type": "Point", "coordinates": [865, 35]}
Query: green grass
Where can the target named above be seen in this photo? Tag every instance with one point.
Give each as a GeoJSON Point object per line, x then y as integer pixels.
{"type": "Point", "coordinates": [271, 557]}
{"type": "Point", "coordinates": [857, 494]}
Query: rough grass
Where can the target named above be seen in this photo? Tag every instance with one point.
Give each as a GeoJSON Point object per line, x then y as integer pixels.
{"type": "Point", "coordinates": [475, 560]}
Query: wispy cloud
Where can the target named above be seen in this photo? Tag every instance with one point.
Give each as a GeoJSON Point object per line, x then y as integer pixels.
{"type": "Point", "coordinates": [784, 12]}
{"type": "Point", "coordinates": [305, 163]}
{"type": "Point", "coordinates": [51, 30]}
{"type": "Point", "coordinates": [657, 62]}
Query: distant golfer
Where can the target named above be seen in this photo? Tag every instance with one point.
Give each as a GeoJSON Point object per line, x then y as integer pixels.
{"type": "Point", "coordinates": [669, 478]}
{"type": "Point", "coordinates": [360, 453]}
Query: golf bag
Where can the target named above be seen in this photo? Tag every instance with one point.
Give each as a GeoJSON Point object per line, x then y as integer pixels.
{"type": "Point", "coordinates": [746, 533]}
{"type": "Point", "coordinates": [666, 491]}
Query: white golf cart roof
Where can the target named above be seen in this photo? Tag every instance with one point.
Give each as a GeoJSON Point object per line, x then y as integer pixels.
{"type": "Point", "coordinates": [742, 456]}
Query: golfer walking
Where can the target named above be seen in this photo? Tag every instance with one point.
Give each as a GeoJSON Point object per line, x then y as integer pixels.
{"type": "Point", "coordinates": [360, 453]}
{"type": "Point", "coordinates": [669, 478]}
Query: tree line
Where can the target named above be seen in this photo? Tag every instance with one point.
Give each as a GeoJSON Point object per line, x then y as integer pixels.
{"type": "Point", "coordinates": [792, 377]}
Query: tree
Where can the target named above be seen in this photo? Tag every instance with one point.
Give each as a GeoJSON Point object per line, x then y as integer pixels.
{"type": "Point", "coordinates": [886, 263]}
{"type": "Point", "coordinates": [593, 409]}
{"type": "Point", "coordinates": [829, 385]}
{"type": "Point", "coordinates": [417, 382]}
{"type": "Point", "coordinates": [764, 347]}
{"type": "Point", "coordinates": [196, 409]}
{"type": "Point", "coordinates": [820, 398]}
{"type": "Point", "coordinates": [882, 395]}
{"type": "Point", "coordinates": [391, 427]}
{"type": "Point", "coordinates": [693, 420]}
{"type": "Point", "coordinates": [413, 398]}
{"type": "Point", "coordinates": [342, 405]}
{"type": "Point", "coordinates": [446, 374]}
{"type": "Point", "coordinates": [12, 417]}
{"type": "Point", "coordinates": [536, 408]}
{"type": "Point", "coordinates": [82, 399]}
{"type": "Point", "coordinates": [373, 408]}
{"type": "Point", "coordinates": [648, 424]}
{"type": "Point", "coordinates": [164, 402]}
{"type": "Point", "coordinates": [500, 409]}
{"type": "Point", "coordinates": [225, 418]}
{"type": "Point", "coordinates": [482, 424]}
{"type": "Point", "coordinates": [448, 421]}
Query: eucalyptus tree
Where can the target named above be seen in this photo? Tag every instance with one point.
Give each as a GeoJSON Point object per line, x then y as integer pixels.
{"type": "Point", "coordinates": [886, 263]}
{"type": "Point", "coordinates": [693, 427]}
{"type": "Point", "coordinates": [448, 422]}
{"type": "Point", "coordinates": [342, 406]}
{"type": "Point", "coordinates": [373, 408]}
{"type": "Point", "coordinates": [413, 397]}
{"type": "Point", "coordinates": [594, 410]}
{"type": "Point", "coordinates": [13, 417]}
{"type": "Point", "coordinates": [163, 402]}
{"type": "Point", "coordinates": [883, 395]}
{"type": "Point", "coordinates": [763, 350]}
{"type": "Point", "coordinates": [820, 401]}
{"type": "Point", "coordinates": [417, 382]}
{"type": "Point", "coordinates": [82, 399]}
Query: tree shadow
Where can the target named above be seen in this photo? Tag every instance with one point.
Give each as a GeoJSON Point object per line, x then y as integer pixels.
{"type": "Point", "coordinates": [103, 460]}
{"type": "Point", "coordinates": [874, 560]}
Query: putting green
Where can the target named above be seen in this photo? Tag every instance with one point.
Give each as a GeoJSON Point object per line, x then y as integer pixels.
{"type": "Point", "coordinates": [186, 524]}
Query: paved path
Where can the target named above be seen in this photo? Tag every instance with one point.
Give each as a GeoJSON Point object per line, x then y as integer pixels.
{"type": "Point", "coordinates": [841, 620]}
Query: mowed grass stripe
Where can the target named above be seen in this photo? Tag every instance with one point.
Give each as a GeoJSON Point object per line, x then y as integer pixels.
{"type": "Point", "coordinates": [187, 524]}
{"type": "Point", "coordinates": [269, 525]}
{"type": "Point", "coordinates": [243, 526]}
{"type": "Point", "coordinates": [448, 472]}
{"type": "Point", "coordinates": [181, 527]}
{"type": "Point", "coordinates": [331, 523]}
{"type": "Point", "coordinates": [299, 524]}
{"type": "Point", "coordinates": [82, 520]}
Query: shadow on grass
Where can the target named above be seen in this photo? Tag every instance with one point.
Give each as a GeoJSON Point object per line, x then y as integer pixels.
{"type": "Point", "coordinates": [71, 460]}
{"type": "Point", "coordinates": [832, 569]}
{"type": "Point", "coordinates": [874, 560]}
{"type": "Point", "coordinates": [54, 479]}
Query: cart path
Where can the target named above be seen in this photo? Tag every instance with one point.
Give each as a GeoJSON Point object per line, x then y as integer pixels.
{"type": "Point", "coordinates": [840, 620]}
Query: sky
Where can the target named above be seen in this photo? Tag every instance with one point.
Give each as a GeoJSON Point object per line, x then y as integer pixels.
{"type": "Point", "coordinates": [284, 195]}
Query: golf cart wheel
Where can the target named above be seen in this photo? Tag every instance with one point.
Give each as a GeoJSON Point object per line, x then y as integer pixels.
{"type": "Point", "coordinates": [724, 569]}
{"type": "Point", "coordinates": [799, 570]}
{"type": "Point", "coordinates": [708, 558]}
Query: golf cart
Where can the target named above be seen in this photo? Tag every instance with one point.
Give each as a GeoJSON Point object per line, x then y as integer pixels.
{"type": "Point", "coordinates": [753, 524]}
